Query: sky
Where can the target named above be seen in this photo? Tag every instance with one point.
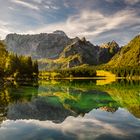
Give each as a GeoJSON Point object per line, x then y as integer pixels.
{"type": "Point", "coordinates": [99, 21]}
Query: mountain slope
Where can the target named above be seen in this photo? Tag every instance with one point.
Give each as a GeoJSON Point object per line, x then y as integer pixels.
{"type": "Point", "coordinates": [80, 52]}
{"type": "Point", "coordinates": [56, 50]}
{"type": "Point", "coordinates": [129, 55]}
{"type": "Point", "coordinates": [86, 52]}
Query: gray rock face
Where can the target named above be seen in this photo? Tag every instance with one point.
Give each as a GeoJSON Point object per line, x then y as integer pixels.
{"type": "Point", "coordinates": [107, 51]}
{"type": "Point", "coordinates": [38, 46]}
{"type": "Point", "coordinates": [57, 45]}
{"type": "Point", "coordinates": [85, 51]}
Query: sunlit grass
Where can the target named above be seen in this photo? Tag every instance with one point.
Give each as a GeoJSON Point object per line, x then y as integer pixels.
{"type": "Point", "coordinates": [105, 73]}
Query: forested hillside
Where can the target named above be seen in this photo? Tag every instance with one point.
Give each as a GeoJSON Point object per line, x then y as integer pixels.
{"type": "Point", "coordinates": [129, 55]}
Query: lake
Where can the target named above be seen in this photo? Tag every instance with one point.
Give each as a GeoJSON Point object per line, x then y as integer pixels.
{"type": "Point", "coordinates": [70, 110]}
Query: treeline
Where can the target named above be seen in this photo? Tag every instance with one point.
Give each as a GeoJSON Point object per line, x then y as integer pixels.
{"type": "Point", "coordinates": [77, 72]}
{"type": "Point", "coordinates": [20, 67]}
{"type": "Point", "coordinates": [128, 71]}
{"type": "Point", "coordinates": [17, 67]}
{"type": "Point", "coordinates": [3, 56]}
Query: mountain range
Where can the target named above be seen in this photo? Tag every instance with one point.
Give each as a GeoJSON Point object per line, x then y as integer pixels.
{"type": "Point", "coordinates": [57, 50]}
{"type": "Point", "coordinates": [129, 55]}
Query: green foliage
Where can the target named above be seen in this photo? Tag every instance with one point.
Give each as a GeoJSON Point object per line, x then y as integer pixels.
{"type": "Point", "coordinates": [20, 67]}
{"type": "Point", "coordinates": [3, 55]}
{"type": "Point", "coordinates": [15, 66]}
{"type": "Point", "coordinates": [125, 71]}
{"type": "Point", "coordinates": [35, 67]}
{"type": "Point", "coordinates": [129, 55]}
{"type": "Point", "coordinates": [77, 72]}
{"type": "Point", "coordinates": [126, 63]}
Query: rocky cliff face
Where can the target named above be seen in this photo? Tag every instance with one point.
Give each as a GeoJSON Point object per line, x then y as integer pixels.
{"type": "Point", "coordinates": [38, 46]}
{"type": "Point", "coordinates": [56, 49]}
{"type": "Point", "coordinates": [107, 51]}
{"type": "Point", "coordinates": [86, 52]}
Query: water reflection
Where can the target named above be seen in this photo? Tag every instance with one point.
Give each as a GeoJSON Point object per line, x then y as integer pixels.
{"type": "Point", "coordinates": [12, 94]}
{"type": "Point", "coordinates": [97, 124]}
{"type": "Point", "coordinates": [53, 103]}
{"type": "Point", "coordinates": [70, 110]}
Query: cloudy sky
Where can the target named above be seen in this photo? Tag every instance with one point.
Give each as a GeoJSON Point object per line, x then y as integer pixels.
{"type": "Point", "coordinates": [98, 20]}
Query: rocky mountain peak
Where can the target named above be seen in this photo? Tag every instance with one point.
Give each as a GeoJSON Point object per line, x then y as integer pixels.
{"type": "Point", "coordinates": [59, 32]}
{"type": "Point", "coordinates": [83, 39]}
{"type": "Point", "coordinates": [56, 48]}
{"type": "Point", "coordinates": [112, 44]}
{"type": "Point", "coordinates": [44, 45]}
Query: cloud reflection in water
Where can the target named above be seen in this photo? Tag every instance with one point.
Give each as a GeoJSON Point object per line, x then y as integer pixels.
{"type": "Point", "coordinates": [97, 125]}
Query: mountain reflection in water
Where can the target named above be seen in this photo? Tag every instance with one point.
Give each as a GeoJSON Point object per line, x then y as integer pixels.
{"type": "Point", "coordinates": [70, 110]}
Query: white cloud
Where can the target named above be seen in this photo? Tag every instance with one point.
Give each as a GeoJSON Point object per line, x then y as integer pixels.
{"type": "Point", "coordinates": [34, 16]}
{"type": "Point", "coordinates": [55, 7]}
{"type": "Point", "coordinates": [3, 29]}
{"type": "Point", "coordinates": [26, 4]}
{"type": "Point", "coordinates": [91, 23]}
{"type": "Point", "coordinates": [51, 5]}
